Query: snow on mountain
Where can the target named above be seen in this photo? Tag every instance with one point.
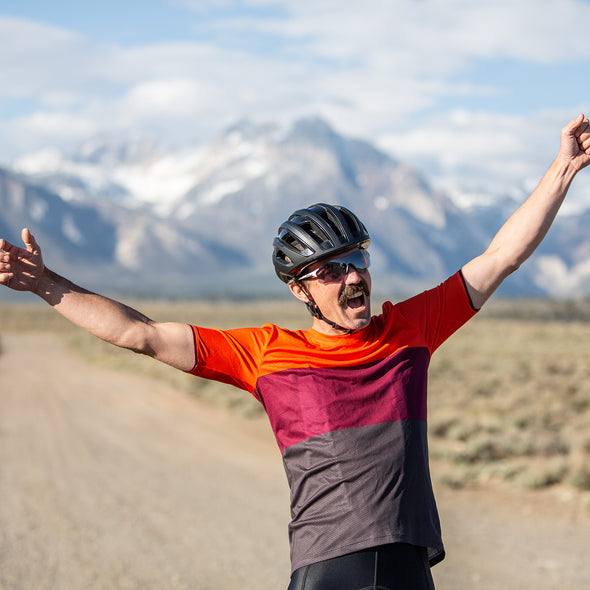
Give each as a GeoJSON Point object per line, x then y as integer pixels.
{"type": "Point", "coordinates": [109, 247]}
{"type": "Point", "coordinates": [80, 230]}
{"type": "Point", "coordinates": [201, 219]}
{"type": "Point", "coordinates": [142, 173]}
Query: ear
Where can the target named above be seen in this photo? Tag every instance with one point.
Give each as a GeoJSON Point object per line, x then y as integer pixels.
{"type": "Point", "coordinates": [298, 292]}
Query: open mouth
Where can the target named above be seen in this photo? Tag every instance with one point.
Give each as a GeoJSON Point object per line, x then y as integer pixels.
{"type": "Point", "coordinates": [356, 301]}
{"type": "Point", "coordinates": [354, 296]}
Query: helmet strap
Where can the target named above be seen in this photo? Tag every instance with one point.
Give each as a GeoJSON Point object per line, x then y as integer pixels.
{"type": "Point", "coordinates": [316, 312]}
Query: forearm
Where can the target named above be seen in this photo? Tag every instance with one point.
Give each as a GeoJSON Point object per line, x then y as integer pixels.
{"type": "Point", "coordinates": [528, 225]}
{"type": "Point", "coordinates": [22, 269]}
{"type": "Point", "coordinates": [520, 235]}
{"type": "Point", "coordinates": [105, 318]}
{"type": "Point", "coordinates": [518, 238]}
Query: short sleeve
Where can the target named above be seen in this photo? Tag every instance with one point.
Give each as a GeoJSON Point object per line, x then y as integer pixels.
{"type": "Point", "coordinates": [229, 356]}
{"type": "Point", "coordinates": [441, 311]}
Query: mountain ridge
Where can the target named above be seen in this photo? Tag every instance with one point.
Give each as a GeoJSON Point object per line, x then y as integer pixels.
{"type": "Point", "coordinates": [140, 218]}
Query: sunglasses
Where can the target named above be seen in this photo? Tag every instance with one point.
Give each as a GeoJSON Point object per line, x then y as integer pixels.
{"type": "Point", "coordinates": [336, 269]}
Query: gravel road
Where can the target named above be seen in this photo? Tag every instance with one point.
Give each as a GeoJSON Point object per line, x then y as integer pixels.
{"type": "Point", "coordinates": [113, 481]}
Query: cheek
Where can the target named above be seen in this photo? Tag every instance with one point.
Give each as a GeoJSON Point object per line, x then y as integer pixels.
{"type": "Point", "coordinates": [326, 294]}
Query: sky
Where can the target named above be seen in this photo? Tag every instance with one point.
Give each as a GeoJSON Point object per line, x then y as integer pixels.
{"type": "Point", "coordinates": [472, 93]}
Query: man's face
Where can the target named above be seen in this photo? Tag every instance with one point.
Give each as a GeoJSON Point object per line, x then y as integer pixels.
{"type": "Point", "coordinates": [344, 300]}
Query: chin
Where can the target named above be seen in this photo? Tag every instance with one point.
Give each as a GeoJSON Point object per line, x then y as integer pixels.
{"type": "Point", "coordinates": [359, 323]}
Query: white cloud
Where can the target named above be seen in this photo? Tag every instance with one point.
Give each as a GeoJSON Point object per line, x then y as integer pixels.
{"type": "Point", "coordinates": [469, 153]}
{"type": "Point", "coordinates": [43, 59]}
{"type": "Point", "coordinates": [174, 97]}
{"type": "Point", "coordinates": [445, 31]}
{"type": "Point", "coordinates": [47, 126]}
{"type": "Point", "coordinates": [387, 62]}
{"type": "Point", "coordinates": [397, 71]}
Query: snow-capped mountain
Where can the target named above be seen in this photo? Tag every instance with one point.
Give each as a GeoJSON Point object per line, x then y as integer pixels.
{"type": "Point", "coordinates": [137, 217]}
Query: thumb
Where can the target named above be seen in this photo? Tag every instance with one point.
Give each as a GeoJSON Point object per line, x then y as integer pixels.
{"type": "Point", "coordinates": [570, 129]}
{"type": "Point", "coordinates": [29, 240]}
{"type": "Point", "coordinates": [575, 124]}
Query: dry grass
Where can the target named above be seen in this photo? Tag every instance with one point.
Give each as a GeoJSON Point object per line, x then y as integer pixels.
{"type": "Point", "coordinates": [509, 394]}
{"type": "Point", "coordinates": [510, 399]}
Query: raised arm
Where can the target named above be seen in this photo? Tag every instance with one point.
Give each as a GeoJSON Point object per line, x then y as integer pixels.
{"type": "Point", "coordinates": [22, 269]}
{"type": "Point", "coordinates": [518, 238]}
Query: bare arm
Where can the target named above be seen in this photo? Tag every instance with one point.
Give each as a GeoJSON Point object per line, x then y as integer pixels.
{"type": "Point", "coordinates": [23, 269]}
{"type": "Point", "coordinates": [518, 238]}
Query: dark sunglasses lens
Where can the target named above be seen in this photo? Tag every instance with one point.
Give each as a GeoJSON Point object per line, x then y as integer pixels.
{"type": "Point", "coordinates": [359, 259]}
{"type": "Point", "coordinates": [332, 271]}
{"type": "Point", "coordinates": [364, 260]}
{"type": "Point", "coordinates": [336, 269]}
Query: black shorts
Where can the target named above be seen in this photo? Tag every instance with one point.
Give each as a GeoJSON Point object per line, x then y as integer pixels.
{"type": "Point", "coordinates": [390, 567]}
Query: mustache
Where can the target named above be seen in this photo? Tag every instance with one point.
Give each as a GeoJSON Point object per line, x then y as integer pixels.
{"type": "Point", "coordinates": [351, 291]}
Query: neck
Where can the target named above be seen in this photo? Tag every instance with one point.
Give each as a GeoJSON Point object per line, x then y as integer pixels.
{"type": "Point", "coordinates": [325, 326]}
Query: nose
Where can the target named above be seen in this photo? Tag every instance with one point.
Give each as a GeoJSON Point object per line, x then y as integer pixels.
{"type": "Point", "coordinates": [354, 275]}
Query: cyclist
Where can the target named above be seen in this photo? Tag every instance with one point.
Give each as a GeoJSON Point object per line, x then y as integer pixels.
{"type": "Point", "coordinates": [346, 398]}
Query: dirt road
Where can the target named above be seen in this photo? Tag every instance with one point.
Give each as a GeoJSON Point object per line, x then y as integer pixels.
{"type": "Point", "coordinates": [112, 481]}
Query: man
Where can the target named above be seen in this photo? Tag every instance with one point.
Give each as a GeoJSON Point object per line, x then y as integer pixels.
{"type": "Point", "coordinates": [347, 398]}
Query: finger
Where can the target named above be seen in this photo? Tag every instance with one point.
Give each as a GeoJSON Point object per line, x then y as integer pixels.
{"type": "Point", "coordinates": [582, 128]}
{"type": "Point", "coordinates": [6, 277]}
{"type": "Point", "coordinates": [5, 245]}
{"type": "Point", "coordinates": [584, 137]}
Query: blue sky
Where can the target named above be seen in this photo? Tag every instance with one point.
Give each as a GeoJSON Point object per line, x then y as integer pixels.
{"type": "Point", "coordinates": [473, 93]}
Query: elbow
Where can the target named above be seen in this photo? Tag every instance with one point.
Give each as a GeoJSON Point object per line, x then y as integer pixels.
{"type": "Point", "coordinates": [511, 267]}
{"type": "Point", "coordinates": [136, 340]}
{"type": "Point", "coordinates": [142, 349]}
{"type": "Point", "coordinates": [508, 264]}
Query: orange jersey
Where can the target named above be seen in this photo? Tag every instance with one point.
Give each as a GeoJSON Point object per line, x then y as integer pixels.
{"type": "Point", "coordinates": [349, 415]}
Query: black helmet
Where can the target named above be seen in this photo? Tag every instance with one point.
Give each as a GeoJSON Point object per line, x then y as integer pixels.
{"type": "Point", "coordinates": [314, 233]}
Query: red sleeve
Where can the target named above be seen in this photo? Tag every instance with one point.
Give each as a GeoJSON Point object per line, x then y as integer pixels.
{"type": "Point", "coordinates": [229, 356]}
{"type": "Point", "coordinates": [440, 311]}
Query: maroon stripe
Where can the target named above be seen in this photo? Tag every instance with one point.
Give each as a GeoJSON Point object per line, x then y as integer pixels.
{"type": "Point", "coordinates": [306, 402]}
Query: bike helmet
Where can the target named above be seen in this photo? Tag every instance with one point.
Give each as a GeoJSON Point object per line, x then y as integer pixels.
{"type": "Point", "coordinates": [317, 232]}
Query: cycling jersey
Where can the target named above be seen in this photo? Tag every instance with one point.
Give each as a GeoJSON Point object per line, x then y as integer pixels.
{"type": "Point", "coordinates": [349, 416]}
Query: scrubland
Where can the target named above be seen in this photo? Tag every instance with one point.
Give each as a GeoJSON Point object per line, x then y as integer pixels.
{"type": "Point", "coordinates": [509, 397]}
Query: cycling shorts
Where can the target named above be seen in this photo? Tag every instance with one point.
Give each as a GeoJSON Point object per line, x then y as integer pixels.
{"type": "Point", "coordinates": [398, 566]}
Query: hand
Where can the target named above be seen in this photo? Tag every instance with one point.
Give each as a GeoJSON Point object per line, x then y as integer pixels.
{"type": "Point", "coordinates": [21, 268]}
{"type": "Point", "coordinates": [575, 142]}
